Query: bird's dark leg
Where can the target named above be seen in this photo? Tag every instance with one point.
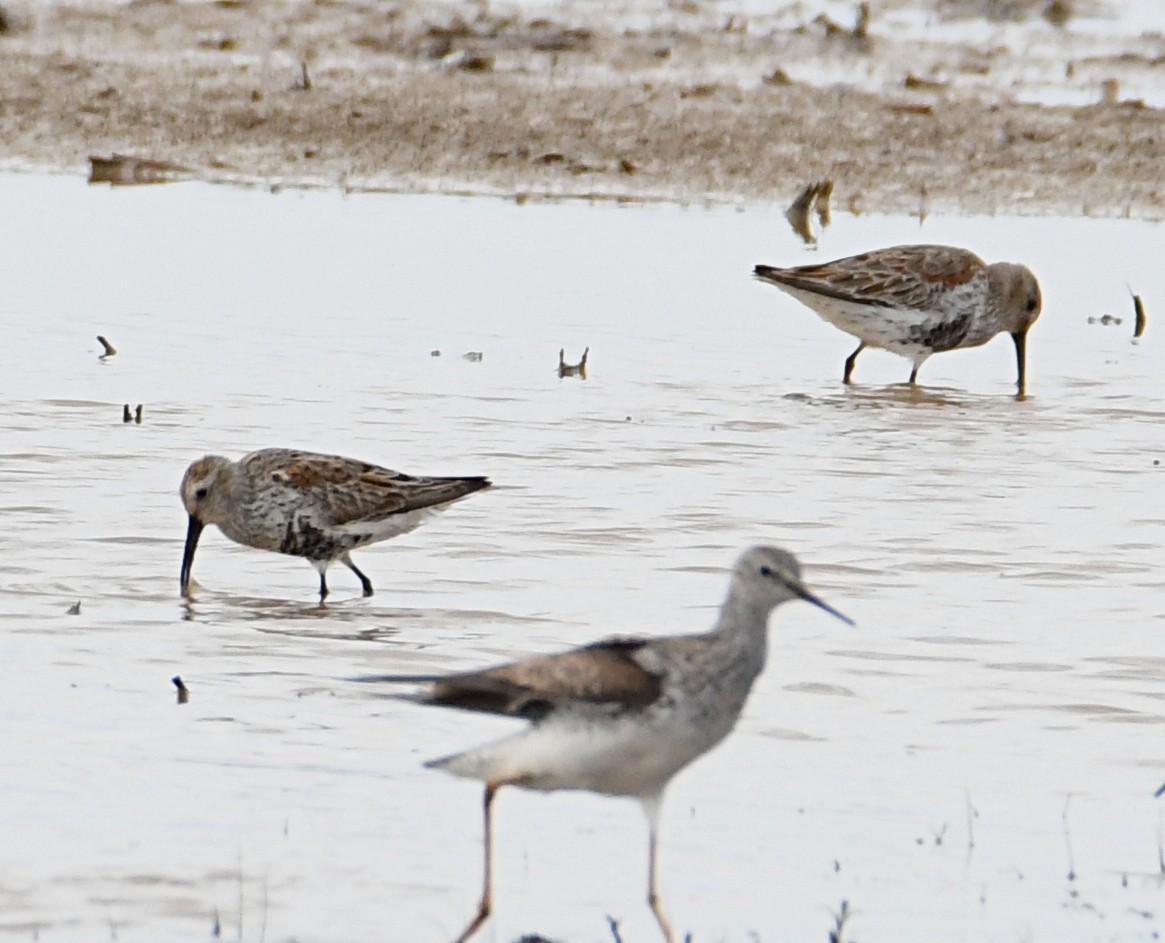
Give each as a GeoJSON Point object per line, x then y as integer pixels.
{"type": "Point", "coordinates": [365, 582]}
{"type": "Point", "coordinates": [487, 878]}
{"type": "Point", "coordinates": [323, 586]}
{"type": "Point", "coordinates": [850, 361]}
{"type": "Point", "coordinates": [914, 376]}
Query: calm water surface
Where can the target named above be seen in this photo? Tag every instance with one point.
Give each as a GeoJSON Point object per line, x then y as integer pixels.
{"type": "Point", "coordinates": [993, 723]}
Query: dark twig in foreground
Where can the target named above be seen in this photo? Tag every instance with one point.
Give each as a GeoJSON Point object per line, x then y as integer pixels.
{"type": "Point", "coordinates": [840, 919]}
{"type": "Point", "coordinates": [614, 925]}
{"type": "Point", "coordinates": [1068, 841]}
{"type": "Point", "coordinates": [972, 814]}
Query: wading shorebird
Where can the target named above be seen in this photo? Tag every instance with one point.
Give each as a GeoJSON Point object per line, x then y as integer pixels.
{"type": "Point", "coordinates": [320, 507]}
{"type": "Point", "coordinates": [620, 717]}
{"type": "Point", "coordinates": [917, 301]}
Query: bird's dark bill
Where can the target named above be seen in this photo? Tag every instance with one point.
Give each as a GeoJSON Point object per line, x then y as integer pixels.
{"type": "Point", "coordinates": [193, 530]}
{"type": "Point", "coordinates": [822, 604]}
{"type": "Point", "coordinates": [1021, 359]}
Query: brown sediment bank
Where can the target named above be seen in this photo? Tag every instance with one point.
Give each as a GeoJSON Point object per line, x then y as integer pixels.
{"type": "Point", "coordinates": [675, 102]}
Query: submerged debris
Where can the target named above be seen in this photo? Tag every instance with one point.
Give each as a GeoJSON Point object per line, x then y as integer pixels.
{"type": "Point", "coordinates": [121, 170]}
{"type": "Point", "coordinates": [1106, 320]}
{"type": "Point", "coordinates": [473, 356]}
{"type": "Point", "coordinates": [183, 691]}
{"type": "Point", "coordinates": [75, 609]}
{"type": "Point", "coordinates": [572, 370]}
{"type": "Point", "coordinates": [110, 350]}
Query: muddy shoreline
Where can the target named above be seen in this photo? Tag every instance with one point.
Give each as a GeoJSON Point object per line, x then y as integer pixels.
{"type": "Point", "coordinates": [697, 105]}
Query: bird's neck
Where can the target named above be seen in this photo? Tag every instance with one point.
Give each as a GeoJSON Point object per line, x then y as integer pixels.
{"type": "Point", "coordinates": [743, 625]}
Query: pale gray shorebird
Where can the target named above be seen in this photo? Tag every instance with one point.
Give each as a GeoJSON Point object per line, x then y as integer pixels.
{"type": "Point", "coordinates": [321, 507]}
{"type": "Point", "coordinates": [917, 301]}
{"type": "Point", "coordinates": [620, 717]}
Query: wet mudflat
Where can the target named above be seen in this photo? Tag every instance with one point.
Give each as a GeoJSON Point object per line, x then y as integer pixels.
{"type": "Point", "coordinates": [1022, 106]}
{"type": "Point", "coordinates": [991, 726]}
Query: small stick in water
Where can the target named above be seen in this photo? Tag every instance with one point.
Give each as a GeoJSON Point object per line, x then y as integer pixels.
{"type": "Point", "coordinates": [137, 414]}
{"type": "Point", "coordinates": [75, 610]}
{"type": "Point", "coordinates": [125, 414]}
{"type": "Point", "coordinates": [110, 350]}
{"type": "Point", "coordinates": [572, 369]}
{"type": "Point", "coordinates": [183, 691]}
{"type": "Point", "coordinates": [1139, 308]}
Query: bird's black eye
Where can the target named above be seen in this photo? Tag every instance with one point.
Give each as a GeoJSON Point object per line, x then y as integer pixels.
{"type": "Point", "coordinates": [765, 571]}
{"type": "Point", "coordinates": [201, 493]}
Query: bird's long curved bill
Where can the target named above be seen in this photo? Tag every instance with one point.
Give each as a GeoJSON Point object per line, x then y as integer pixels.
{"type": "Point", "coordinates": [821, 604]}
{"type": "Point", "coordinates": [193, 530]}
{"type": "Point", "coordinates": [1020, 339]}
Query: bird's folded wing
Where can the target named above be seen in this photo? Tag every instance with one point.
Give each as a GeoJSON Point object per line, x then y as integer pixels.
{"type": "Point", "coordinates": [603, 673]}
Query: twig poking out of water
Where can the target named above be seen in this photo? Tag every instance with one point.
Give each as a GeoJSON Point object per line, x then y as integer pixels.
{"type": "Point", "coordinates": [572, 369]}
{"type": "Point", "coordinates": [972, 814]}
{"type": "Point", "coordinates": [861, 31]}
{"type": "Point", "coordinates": [304, 82]}
{"type": "Point", "coordinates": [137, 414]}
{"type": "Point", "coordinates": [126, 415]}
{"type": "Point", "coordinates": [939, 834]}
{"type": "Point", "coordinates": [183, 697]}
{"type": "Point", "coordinates": [1068, 841]}
{"type": "Point", "coordinates": [614, 925]}
{"type": "Point", "coordinates": [1160, 792]}
{"type": "Point", "coordinates": [216, 930]}
{"type": "Point", "coordinates": [840, 919]}
{"type": "Point", "coordinates": [821, 201]}
{"type": "Point", "coordinates": [110, 350]}
{"type": "Point", "coordinates": [798, 213]}
{"type": "Point", "coordinates": [75, 609]}
{"type": "Point", "coordinates": [1138, 330]}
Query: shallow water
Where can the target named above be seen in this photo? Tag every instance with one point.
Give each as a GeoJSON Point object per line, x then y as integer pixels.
{"type": "Point", "coordinates": [1003, 561]}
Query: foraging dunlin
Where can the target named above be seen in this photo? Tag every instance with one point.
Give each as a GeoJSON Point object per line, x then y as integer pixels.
{"type": "Point", "coordinates": [621, 717]}
{"type": "Point", "coordinates": [320, 507]}
{"type": "Point", "coordinates": [917, 300]}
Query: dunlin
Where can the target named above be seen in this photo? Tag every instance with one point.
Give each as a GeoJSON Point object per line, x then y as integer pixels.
{"type": "Point", "coordinates": [917, 300]}
{"type": "Point", "coordinates": [621, 717]}
{"type": "Point", "coordinates": [320, 507]}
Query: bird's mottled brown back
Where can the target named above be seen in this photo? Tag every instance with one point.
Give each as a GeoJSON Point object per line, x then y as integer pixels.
{"type": "Point", "coordinates": [917, 277]}
{"type": "Point", "coordinates": [343, 490]}
{"type": "Point", "coordinates": [603, 673]}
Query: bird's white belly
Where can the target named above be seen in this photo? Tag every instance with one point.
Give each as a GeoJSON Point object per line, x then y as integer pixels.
{"type": "Point", "coordinates": [623, 757]}
{"type": "Point", "coordinates": [876, 325]}
{"type": "Point", "coordinates": [370, 532]}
